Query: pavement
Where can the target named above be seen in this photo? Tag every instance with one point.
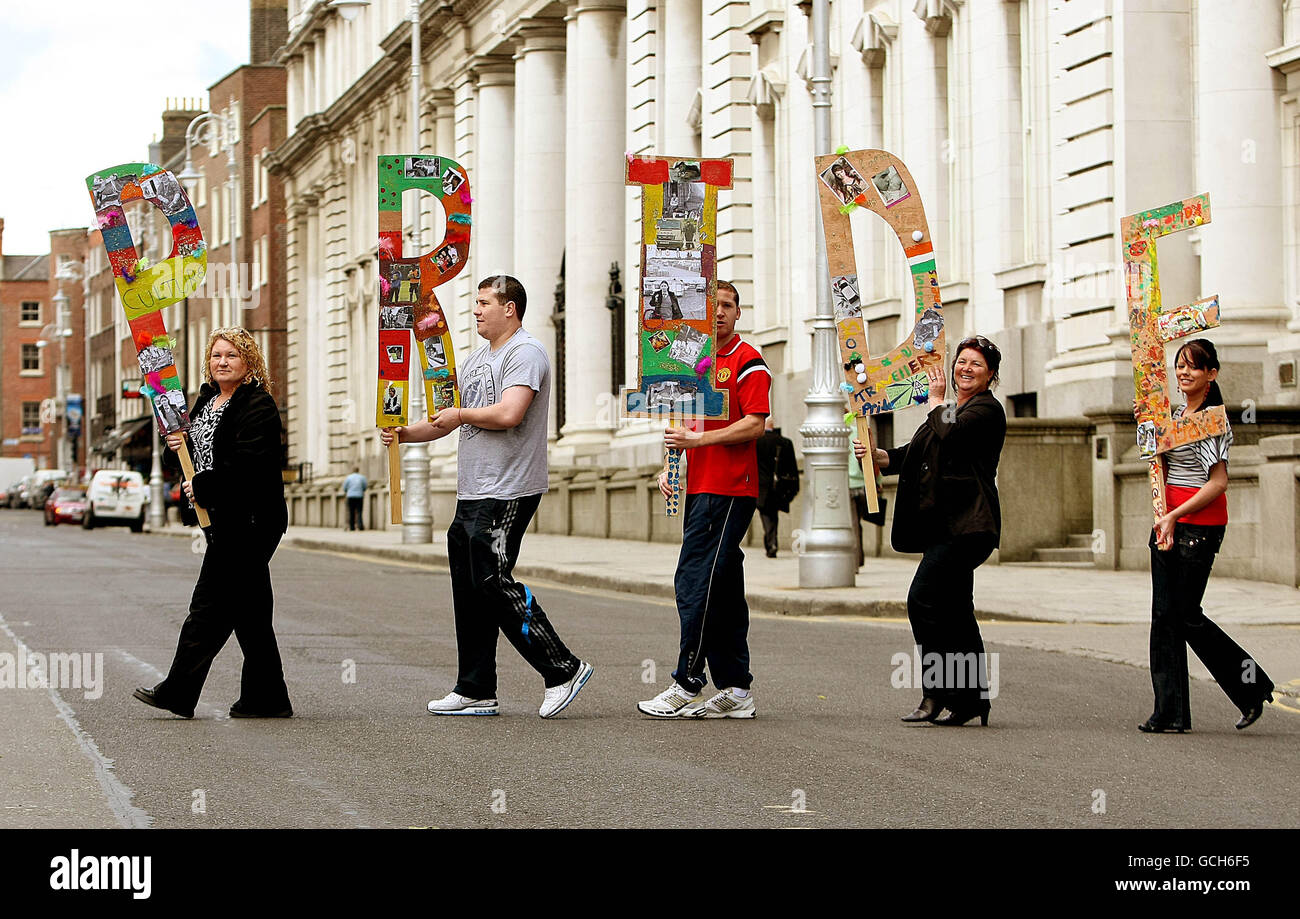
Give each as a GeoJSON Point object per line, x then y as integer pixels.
{"type": "Point", "coordinates": [1002, 592]}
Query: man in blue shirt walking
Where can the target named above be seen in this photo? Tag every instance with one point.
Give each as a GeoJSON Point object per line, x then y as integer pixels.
{"type": "Point", "coordinates": [354, 487]}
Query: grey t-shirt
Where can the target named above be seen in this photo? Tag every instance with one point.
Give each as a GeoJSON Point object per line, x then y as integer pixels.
{"type": "Point", "coordinates": [511, 463]}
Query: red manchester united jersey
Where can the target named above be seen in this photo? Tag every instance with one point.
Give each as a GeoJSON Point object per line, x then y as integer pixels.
{"type": "Point", "coordinates": [732, 469]}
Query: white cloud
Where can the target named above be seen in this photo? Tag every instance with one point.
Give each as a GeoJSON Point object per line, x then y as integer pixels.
{"type": "Point", "coordinates": [83, 88]}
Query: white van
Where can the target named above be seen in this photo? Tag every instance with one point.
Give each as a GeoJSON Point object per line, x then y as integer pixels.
{"type": "Point", "coordinates": [116, 496]}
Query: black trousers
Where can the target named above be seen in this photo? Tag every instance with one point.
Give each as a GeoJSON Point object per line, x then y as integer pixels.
{"type": "Point", "coordinates": [482, 548]}
{"type": "Point", "coordinates": [1178, 580]}
{"type": "Point", "coordinates": [710, 588]}
{"type": "Point", "coordinates": [770, 515]}
{"type": "Point", "coordinates": [354, 514]}
{"type": "Point", "coordinates": [233, 594]}
{"type": "Point", "coordinates": [941, 609]}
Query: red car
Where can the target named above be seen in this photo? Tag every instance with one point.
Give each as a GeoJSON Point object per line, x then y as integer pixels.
{"type": "Point", "coordinates": [65, 505]}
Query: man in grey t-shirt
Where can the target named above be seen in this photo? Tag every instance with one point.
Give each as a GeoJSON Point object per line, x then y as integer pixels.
{"type": "Point", "coordinates": [501, 477]}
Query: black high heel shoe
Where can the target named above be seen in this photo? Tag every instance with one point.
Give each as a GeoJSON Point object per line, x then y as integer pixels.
{"type": "Point", "coordinates": [1251, 715]}
{"type": "Point", "coordinates": [959, 715]}
{"type": "Point", "coordinates": [928, 710]}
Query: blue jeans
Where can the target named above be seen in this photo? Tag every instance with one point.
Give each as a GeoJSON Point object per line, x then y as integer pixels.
{"type": "Point", "coordinates": [1178, 580]}
{"type": "Point", "coordinates": [710, 588]}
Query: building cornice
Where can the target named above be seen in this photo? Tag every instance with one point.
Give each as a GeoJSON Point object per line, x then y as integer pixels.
{"type": "Point", "coordinates": [766, 21]}
{"type": "Point", "coordinates": [1285, 59]}
{"type": "Point", "coordinates": [876, 31]}
{"type": "Point", "coordinates": [317, 18]}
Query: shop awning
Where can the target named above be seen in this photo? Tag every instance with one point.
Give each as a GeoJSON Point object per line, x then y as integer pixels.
{"type": "Point", "coordinates": [114, 439]}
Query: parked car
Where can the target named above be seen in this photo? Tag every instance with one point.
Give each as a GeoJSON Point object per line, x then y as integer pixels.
{"type": "Point", "coordinates": [42, 484]}
{"type": "Point", "coordinates": [16, 495]}
{"type": "Point", "coordinates": [174, 497]}
{"type": "Point", "coordinates": [12, 469]}
{"type": "Point", "coordinates": [116, 496]}
{"type": "Point", "coordinates": [67, 504]}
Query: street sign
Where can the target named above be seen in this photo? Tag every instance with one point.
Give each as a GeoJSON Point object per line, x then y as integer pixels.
{"type": "Point", "coordinates": [73, 412]}
{"type": "Point", "coordinates": [49, 411]}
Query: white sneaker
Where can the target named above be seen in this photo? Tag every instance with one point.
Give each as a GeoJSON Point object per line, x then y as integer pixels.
{"type": "Point", "coordinates": [456, 704]}
{"type": "Point", "coordinates": [674, 701]}
{"type": "Point", "coordinates": [557, 698]}
{"type": "Point", "coordinates": [725, 704]}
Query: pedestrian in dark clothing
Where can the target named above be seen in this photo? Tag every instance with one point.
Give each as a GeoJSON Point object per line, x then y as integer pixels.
{"type": "Point", "coordinates": [778, 481]}
{"type": "Point", "coordinates": [501, 476]}
{"type": "Point", "coordinates": [947, 508]}
{"type": "Point", "coordinates": [1183, 544]}
{"type": "Point", "coordinates": [235, 442]}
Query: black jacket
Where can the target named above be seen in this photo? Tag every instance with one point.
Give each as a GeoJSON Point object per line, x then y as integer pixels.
{"type": "Point", "coordinates": [946, 475]}
{"type": "Point", "coordinates": [778, 471]}
{"type": "Point", "coordinates": [244, 489]}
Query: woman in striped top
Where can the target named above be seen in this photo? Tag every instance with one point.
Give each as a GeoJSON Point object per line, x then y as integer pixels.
{"type": "Point", "coordinates": [1183, 545]}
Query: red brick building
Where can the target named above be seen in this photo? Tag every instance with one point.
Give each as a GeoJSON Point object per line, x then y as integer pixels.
{"type": "Point", "coordinates": [245, 283]}
{"type": "Point", "coordinates": [29, 285]}
{"type": "Point", "coordinates": [252, 293]}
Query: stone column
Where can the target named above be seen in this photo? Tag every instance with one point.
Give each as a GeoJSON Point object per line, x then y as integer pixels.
{"type": "Point", "coordinates": [539, 178]}
{"type": "Point", "coordinates": [444, 122]}
{"type": "Point", "coordinates": [1279, 520]}
{"type": "Point", "coordinates": [493, 238]}
{"type": "Point", "coordinates": [1239, 164]}
{"type": "Point", "coordinates": [595, 140]}
{"type": "Point", "coordinates": [681, 53]}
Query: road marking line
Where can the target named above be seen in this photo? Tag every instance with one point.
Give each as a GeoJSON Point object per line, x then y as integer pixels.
{"type": "Point", "coordinates": [218, 714]}
{"type": "Point", "coordinates": [119, 796]}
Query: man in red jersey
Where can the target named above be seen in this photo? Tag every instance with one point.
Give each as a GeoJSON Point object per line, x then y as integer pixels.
{"type": "Point", "coordinates": [721, 494]}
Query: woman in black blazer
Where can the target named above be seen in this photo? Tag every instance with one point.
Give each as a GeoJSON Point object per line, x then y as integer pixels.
{"type": "Point", "coordinates": [947, 508]}
{"type": "Point", "coordinates": [235, 443]}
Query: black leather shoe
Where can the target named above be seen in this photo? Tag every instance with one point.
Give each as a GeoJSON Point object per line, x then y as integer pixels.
{"type": "Point", "coordinates": [959, 715]}
{"type": "Point", "coordinates": [1151, 726]}
{"type": "Point", "coordinates": [928, 710]}
{"type": "Point", "coordinates": [236, 711]}
{"type": "Point", "coordinates": [149, 697]}
{"type": "Point", "coordinates": [1251, 715]}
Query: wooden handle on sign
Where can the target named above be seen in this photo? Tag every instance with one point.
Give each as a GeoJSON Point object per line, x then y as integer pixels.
{"type": "Point", "coordinates": [869, 472]}
{"type": "Point", "coordinates": [1159, 496]}
{"type": "Point", "coordinates": [395, 481]}
{"type": "Point", "coordinates": [187, 464]}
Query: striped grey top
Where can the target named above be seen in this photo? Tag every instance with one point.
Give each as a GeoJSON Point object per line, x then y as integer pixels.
{"type": "Point", "coordinates": [1189, 465]}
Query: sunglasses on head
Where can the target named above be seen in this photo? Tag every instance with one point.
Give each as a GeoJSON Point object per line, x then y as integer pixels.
{"type": "Point", "coordinates": [979, 340]}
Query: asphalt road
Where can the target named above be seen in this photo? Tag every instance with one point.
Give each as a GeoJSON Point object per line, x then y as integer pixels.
{"type": "Point", "coordinates": [826, 749]}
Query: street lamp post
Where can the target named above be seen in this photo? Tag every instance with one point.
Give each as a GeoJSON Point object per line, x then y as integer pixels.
{"type": "Point", "coordinates": [60, 329]}
{"type": "Point", "coordinates": [826, 556]}
{"type": "Point", "coordinates": [417, 520]}
{"type": "Point", "coordinates": [217, 121]}
{"type": "Point", "coordinates": [222, 123]}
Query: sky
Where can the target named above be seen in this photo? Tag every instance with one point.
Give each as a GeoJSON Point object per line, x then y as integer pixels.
{"type": "Point", "coordinates": [83, 84]}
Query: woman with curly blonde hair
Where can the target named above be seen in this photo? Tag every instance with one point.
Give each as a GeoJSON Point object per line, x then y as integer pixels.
{"type": "Point", "coordinates": [235, 443]}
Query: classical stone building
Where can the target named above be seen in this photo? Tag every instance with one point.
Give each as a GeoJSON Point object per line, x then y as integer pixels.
{"type": "Point", "coordinates": [1030, 128]}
